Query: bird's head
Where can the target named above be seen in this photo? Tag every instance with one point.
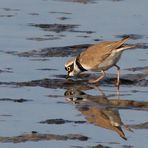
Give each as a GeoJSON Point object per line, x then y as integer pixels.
{"type": "Point", "coordinates": [71, 67]}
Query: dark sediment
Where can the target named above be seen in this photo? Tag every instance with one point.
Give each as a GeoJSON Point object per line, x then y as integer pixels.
{"type": "Point", "coordinates": [21, 100]}
{"type": "Point", "coordinates": [62, 82]}
{"type": "Point", "coordinates": [55, 51]}
{"type": "Point", "coordinates": [35, 136]}
{"type": "Point", "coordinates": [61, 121]}
{"type": "Point", "coordinates": [56, 27]}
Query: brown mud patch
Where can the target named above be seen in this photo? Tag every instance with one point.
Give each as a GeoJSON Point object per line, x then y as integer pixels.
{"type": "Point", "coordinates": [139, 79]}
{"type": "Point", "coordinates": [53, 51]}
{"type": "Point", "coordinates": [61, 121]}
{"type": "Point", "coordinates": [63, 83]}
{"type": "Point", "coordinates": [56, 27]}
{"type": "Point", "coordinates": [72, 50]}
{"type": "Point", "coordinates": [35, 136]}
{"type": "Point", "coordinates": [21, 100]}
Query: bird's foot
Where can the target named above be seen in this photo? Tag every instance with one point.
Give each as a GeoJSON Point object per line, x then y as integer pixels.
{"type": "Point", "coordinates": [92, 81]}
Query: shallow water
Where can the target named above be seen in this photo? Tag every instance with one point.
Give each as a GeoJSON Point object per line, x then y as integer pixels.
{"type": "Point", "coordinates": [39, 107]}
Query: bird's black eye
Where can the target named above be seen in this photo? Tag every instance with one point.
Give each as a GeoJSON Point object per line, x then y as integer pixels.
{"type": "Point", "coordinates": [68, 68]}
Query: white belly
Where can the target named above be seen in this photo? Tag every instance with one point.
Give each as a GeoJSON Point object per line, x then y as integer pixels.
{"type": "Point", "coordinates": [110, 61]}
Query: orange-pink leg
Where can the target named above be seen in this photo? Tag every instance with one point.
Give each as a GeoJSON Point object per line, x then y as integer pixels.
{"type": "Point", "coordinates": [99, 78]}
{"type": "Point", "coordinates": [118, 76]}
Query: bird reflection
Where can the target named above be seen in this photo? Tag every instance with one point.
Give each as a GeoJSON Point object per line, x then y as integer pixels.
{"type": "Point", "coordinates": [97, 110]}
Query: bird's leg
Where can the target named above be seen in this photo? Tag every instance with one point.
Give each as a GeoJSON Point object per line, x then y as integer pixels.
{"type": "Point", "coordinates": [118, 76]}
{"type": "Point", "coordinates": [99, 78]}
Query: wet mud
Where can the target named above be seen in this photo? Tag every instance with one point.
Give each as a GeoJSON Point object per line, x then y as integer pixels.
{"type": "Point", "coordinates": [63, 83]}
{"type": "Point", "coordinates": [61, 121]}
{"type": "Point", "coordinates": [64, 51]}
{"type": "Point", "coordinates": [35, 136]}
{"type": "Point", "coordinates": [21, 100]}
{"type": "Point", "coordinates": [55, 27]}
{"type": "Point", "coordinates": [55, 51]}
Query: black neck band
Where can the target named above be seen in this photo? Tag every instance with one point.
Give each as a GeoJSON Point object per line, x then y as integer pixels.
{"type": "Point", "coordinates": [79, 65]}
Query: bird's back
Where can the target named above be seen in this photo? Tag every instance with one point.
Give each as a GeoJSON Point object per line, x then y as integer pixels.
{"type": "Point", "coordinates": [97, 53]}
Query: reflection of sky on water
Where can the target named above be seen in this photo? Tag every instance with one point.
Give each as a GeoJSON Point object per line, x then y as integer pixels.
{"type": "Point", "coordinates": [106, 19]}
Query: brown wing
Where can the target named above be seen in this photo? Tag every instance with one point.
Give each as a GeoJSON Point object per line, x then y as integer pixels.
{"type": "Point", "coordinates": [95, 54]}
